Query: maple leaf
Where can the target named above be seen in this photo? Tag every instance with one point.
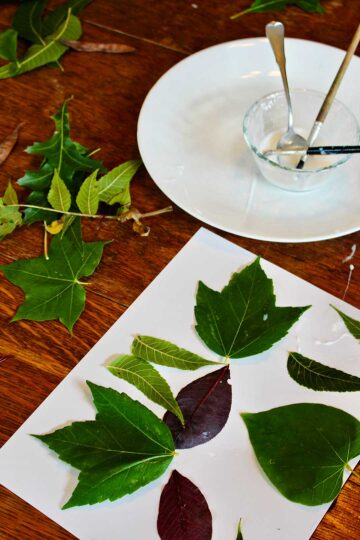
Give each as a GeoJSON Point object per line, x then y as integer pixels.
{"type": "Point", "coordinates": [52, 286]}
{"type": "Point", "coordinates": [123, 449]}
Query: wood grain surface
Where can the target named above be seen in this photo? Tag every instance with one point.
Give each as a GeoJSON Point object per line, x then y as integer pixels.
{"type": "Point", "coordinates": [108, 92]}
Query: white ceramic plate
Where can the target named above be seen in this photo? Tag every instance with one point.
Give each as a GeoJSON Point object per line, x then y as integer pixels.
{"type": "Point", "coordinates": [190, 139]}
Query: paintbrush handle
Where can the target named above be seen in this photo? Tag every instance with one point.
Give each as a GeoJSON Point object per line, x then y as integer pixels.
{"type": "Point", "coordinates": [339, 77]}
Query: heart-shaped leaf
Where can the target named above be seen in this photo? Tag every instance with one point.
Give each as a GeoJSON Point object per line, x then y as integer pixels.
{"type": "Point", "coordinates": [351, 324]}
{"type": "Point", "coordinates": [164, 353]}
{"type": "Point", "coordinates": [317, 376]}
{"type": "Point", "coordinates": [242, 319]}
{"type": "Point", "coordinates": [205, 404]}
{"type": "Point", "coordinates": [147, 379]}
{"type": "Point", "coordinates": [123, 449]}
{"type": "Point", "coordinates": [183, 511]}
{"type": "Point", "coordinates": [304, 448]}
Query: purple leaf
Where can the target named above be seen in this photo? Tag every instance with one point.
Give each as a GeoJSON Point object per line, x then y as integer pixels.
{"type": "Point", "coordinates": [205, 404]}
{"type": "Point", "coordinates": [183, 511]}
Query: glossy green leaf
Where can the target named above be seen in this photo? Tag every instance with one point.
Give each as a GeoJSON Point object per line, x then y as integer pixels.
{"type": "Point", "coordinates": [51, 22]}
{"type": "Point", "coordinates": [239, 535]}
{"type": "Point", "coordinates": [114, 186]}
{"type": "Point", "coordinates": [27, 20]}
{"type": "Point", "coordinates": [10, 218]}
{"type": "Point", "coordinates": [242, 319]}
{"type": "Point", "coordinates": [317, 376]}
{"type": "Point", "coordinates": [52, 287]}
{"type": "Point", "coordinates": [8, 45]}
{"type": "Point", "coordinates": [10, 195]}
{"type": "Point", "coordinates": [41, 54]}
{"type": "Point", "coordinates": [38, 180]}
{"type": "Point", "coordinates": [164, 353]}
{"type": "Point", "coordinates": [123, 449]}
{"type": "Point", "coordinates": [261, 6]}
{"type": "Point", "coordinates": [304, 448]}
{"type": "Point", "coordinates": [31, 215]}
{"type": "Point", "coordinates": [351, 324]}
{"type": "Point", "coordinates": [59, 196]}
{"type": "Point", "coordinates": [147, 379]}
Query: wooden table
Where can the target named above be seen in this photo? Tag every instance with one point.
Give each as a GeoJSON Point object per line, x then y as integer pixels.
{"type": "Point", "coordinates": [108, 92]}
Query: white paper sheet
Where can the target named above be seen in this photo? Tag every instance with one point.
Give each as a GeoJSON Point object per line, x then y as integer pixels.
{"type": "Point", "coordinates": [225, 468]}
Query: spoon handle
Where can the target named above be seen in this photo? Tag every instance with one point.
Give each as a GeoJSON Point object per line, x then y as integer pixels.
{"type": "Point", "coordinates": [275, 32]}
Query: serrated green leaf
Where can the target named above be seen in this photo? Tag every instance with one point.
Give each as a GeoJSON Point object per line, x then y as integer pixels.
{"type": "Point", "coordinates": [123, 449]}
{"type": "Point", "coordinates": [59, 196]}
{"type": "Point", "coordinates": [242, 319]}
{"type": "Point", "coordinates": [10, 218]}
{"type": "Point", "coordinates": [61, 152]}
{"type": "Point", "coordinates": [56, 17]}
{"type": "Point", "coordinates": [8, 45]}
{"type": "Point", "coordinates": [38, 180]}
{"type": "Point", "coordinates": [27, 20]}
{"type": "Point", "coordinates": [41, 54]}
{"type": "Point", "coordinates": [88, 198]}
{"type": "Point", "coordinates": [304, 448]}
{"type": "Point", "coordinates": [317, 376]}
{"type": "Point", "coordinates": [31, 215]}
{"type": "Point", "coordinates": [52, 287]}
{"type": "Point", "coordinates": [351, 324]}
{"type": "Point", "coordinates": [164, 353]}
{"type": "Point", "coordinates": [114, 186]}
{"type": "Point", "coordinates": [147, 379]}
{"type": "Point", "coordinates": [10, 195]}
{"type": "Point", "coordinates": [261, 6]}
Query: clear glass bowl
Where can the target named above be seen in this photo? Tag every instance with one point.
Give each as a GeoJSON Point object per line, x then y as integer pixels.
{"type": "Point", "coordinates": [266, 121]}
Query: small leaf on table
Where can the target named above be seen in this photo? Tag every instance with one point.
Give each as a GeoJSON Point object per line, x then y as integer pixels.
{"type": "Point", "coordinates": [8, 45]}
{"type": "Point", "coordinates": [205, 404]}
{"type": "Point", "coordinates": [351, 324]}
{"type": "Point", "coordinates": [183, 511]}
{"type": "Point", "coordinates": [261, 6]}
{"type": "Point", "coordinates": [52, 21]}
{"type": "Point", "coordinates": [8, 143]}
{"type": "Point", "coordinates": [88, 46]}
{"type": "Point", "coordinates": [164, 353]}
{"type": "Point", "coordinates": [59, 196]}
{"type": "Point", "coordinates": [88, 199]}
{"type": "Point", "coordinates": [10, 195]}
{"type": "Point", "coordinates": [317, 376]}
{"type": "Point", "coordinates": [242, 319]}
{"type": "Point", "coordinates": [147, 379]}
{"type": "Point", "coordinates": [304, 448]}
{"type": "Point", "coordinates": [10, 218]}
{"type": "Point", "coordinates": [123, 449]}
{"type": "Point", "coordinates": [52, 287]}
{"type": "Point", "coordinates": [27, 20]}
{"type": "Point", "coordinates": [113, 187]}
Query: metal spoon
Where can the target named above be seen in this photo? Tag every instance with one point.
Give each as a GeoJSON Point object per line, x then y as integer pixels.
{"type": "Point", "coordinates": [275, 33]}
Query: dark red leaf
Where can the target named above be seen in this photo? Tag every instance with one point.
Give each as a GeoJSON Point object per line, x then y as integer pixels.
{"type": "Point", "coordinates": [183, 511]}
{"type": "Point", "coordinates": [205, 404]}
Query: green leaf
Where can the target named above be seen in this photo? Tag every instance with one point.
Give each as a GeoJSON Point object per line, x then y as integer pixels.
{"type": "Point", "coordinates": [88, 198]}
{"type": "Point", "coordinates": [316, 376]}
{"type": "Point", "coordinates": [123, 449]}
{"type": "Point", "coordinates": [10, 218]}
{"type": "Point", "coordinates": [61, 152]}
{"type": "Point", "coordinates": [38, 180]}
{"type": "Point", "coordinates": [8, 45]}
{"type": "Point", "coordinates": [41, 54]}
{"type": "Point", "coordinates": [52, 287]}
{"type": "Point", "coordinates": [304, 448]}
{"type": "Point", "coordinates": [351, 324]}
{"type": "Point", "coordinates": [239, 535]}
{"type": "Point", "coordinates": [164, 353]}
{"type": "Point", "coordinates": [242, 319]}
{"type": "Point", "coordinates": [56, 17]}
{"type": "Point", "coordinates": [10, 195]}
{"type": "Point", "coordinates": [261, 6]}
{"type": "Point", "coordinates": [59, 196]}
{"type": "Point", "coordinates": [31, 215]}
{"type": "Point", "coordinates": [114, 186]}
{"type": "Point", "coordinates": [147, 379]}
{"type": "Point", "coordinates": [27, 20]}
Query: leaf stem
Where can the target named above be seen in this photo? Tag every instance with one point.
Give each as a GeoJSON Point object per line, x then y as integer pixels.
{"type": "Point", "coordinates": [46, 254]}
{"type": "Point", "coordinates": [348, 468]}
{"type": "Point", "coordinates": [93, 216]}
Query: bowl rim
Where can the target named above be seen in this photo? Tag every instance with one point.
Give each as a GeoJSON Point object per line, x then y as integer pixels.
{"type": "Point", "coordinates": [343, 159]}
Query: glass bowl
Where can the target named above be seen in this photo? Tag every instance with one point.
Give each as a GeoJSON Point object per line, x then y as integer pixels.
{"type": "Point", "coordinates": [266, 121]}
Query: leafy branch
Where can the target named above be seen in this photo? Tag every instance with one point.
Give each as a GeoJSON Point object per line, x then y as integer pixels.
{"type": "Point", "coordinates": [261, 6]}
